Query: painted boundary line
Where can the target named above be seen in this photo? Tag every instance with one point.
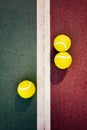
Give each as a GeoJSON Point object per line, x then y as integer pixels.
{"type": "Point", "coordinates": [40, 65]}
{"type": "Point", "coordinates": [47, 65]}
{"type": "Point", "coordinates": [43, 64]}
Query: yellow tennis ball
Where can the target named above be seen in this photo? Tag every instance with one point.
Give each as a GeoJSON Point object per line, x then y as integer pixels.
{"type": "Point", "coordinates": [62, 43]}
{"type": "Point", "coordinates": [63, 60]}
{"type": "Point", "coordinates": [26, 89]}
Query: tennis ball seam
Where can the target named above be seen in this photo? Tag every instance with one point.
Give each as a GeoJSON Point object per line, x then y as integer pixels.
{"type": "Point", "coordinates": [65, 57]}
{"type": "Point", "coordinates": [25, 88]}
{"type": "Point", "coordinates": [65, 46]}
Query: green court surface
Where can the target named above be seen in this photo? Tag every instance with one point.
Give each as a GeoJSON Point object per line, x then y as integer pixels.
{"type": "Point", "coordinates": [17, 62]}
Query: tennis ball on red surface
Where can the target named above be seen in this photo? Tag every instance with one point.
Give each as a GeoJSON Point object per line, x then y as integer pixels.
{"type": "Point", "coordinates": [26, 89]}
{"type": "Point", "coordinates": [63, 60]}
{"type": "Point", "coordinates": [62, 43]}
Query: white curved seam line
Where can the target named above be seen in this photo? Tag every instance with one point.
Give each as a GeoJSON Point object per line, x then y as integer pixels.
{"type": "Point", "coordinates": [65, 57]}
{"type": "Point", "coordinates": [25, 88]}
{"type": "Point", "coordinates": [62, 44]}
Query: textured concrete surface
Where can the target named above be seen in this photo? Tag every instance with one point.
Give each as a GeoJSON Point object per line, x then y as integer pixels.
{"type": "Point", "coordinates": [17, 62]}
{"type": "Point", "coordinates": [69, 87]}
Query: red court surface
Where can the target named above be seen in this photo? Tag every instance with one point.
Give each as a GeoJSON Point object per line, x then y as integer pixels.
{"type": "Point", "coordinates": [69, 87]}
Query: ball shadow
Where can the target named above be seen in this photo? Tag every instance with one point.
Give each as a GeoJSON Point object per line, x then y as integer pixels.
{"type": "Point", "coordinates": [57, 75]}
{"type": "Point", "coordinates": [21, 105]}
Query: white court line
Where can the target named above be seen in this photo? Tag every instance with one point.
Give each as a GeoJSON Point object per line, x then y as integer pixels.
{"type": "Point", "coordinates": [43, 64]}
{"type": "Point", "coordinates": [40, 65]}
{"type": "Point", "coordinates": [47, 65]}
